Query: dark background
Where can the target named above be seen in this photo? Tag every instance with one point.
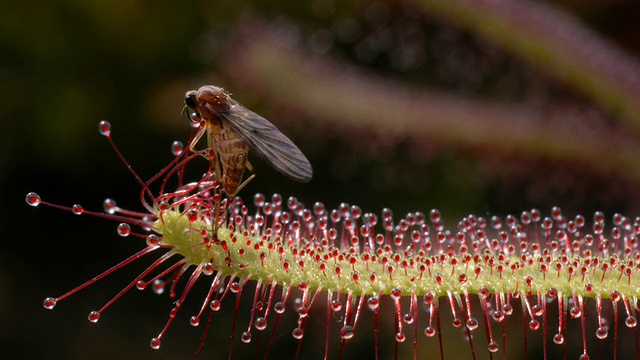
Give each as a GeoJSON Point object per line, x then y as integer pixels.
{"type": "Point", "coordinates": [65, 65]}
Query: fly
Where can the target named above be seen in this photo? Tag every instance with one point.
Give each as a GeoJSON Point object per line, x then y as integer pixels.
{"type": "Point", "coordinates": [231, 130]}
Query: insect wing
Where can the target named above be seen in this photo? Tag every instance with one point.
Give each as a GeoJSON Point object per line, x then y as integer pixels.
{"type": "Point", "coordinates": [265, 139]}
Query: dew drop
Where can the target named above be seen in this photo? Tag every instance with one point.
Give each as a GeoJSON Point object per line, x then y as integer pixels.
{"type": "Point", "coordinates": [77, 209]}
{"type": "Point", "coordinates": [346, 332]}
{"type": "Point", "coordinates": [472, 324]}
{"type": "Point", "coordinates": [177, 148]}
{"type": "Point", "coordinates": [155, 343]}
{"type": "Point", "coordinates": [246, 337]}
{"type": "Point", "coordinates": [124, 229]}
{"type": "Point", "coordinates": [104, 127]}
{"type": "Point", "coordinates": [94, 316]}
{"type": "Point", "coordinates": [194, 321]}
{"type": "Point", "coordinates": [49, 303]}
{"type": "Point", "coordinates": [400, 337]}
{"type": "Point", "coordinates": [429, 331]}
{"type": "Point", "coordinates": [278, 307]}
{"type": "Point", "coordinates": [109, 206]}
{"type": "Point", "coordinates": [493, 346]}
{"type": "Point", "coordinates": [631, 321]}
{"type": "Point", "coordinates": [297, 333]}
{"type": "Point", "coordinates": [602, 333]}
{"type": "Point", "coordinates": [33, 199]}
{"type": "Point", "coordinates": [261, 323]}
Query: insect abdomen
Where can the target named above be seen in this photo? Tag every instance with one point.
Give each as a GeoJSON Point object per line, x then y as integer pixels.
{"type": "Point", "coordinates": [232, 151]}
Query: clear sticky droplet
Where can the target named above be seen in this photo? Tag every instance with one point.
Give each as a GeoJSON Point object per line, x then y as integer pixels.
{"type": "Point", "coordinates": [155, 343]}
{"type": "Point", "coordinates": [537, 310]}
{"type": "Point", "coordinates": [472, 324]}
{"type": "Point", "coordinates": [602, 332]}
{"type": "Point", "coordinates": [33, 199]}
{"type": "Point", "coordinates": [141, 285]}
{"type": "Point", "coordinates": [158, 286]}
{"type": "Point", "coordinates": [177, 148]}
{"type": "Point", "coordinates": [508, 309]}
{"type": "Point", "coordinates": [400, 337]}
{"type": "Point", "coordinates": [207, 269]}
{"type": "Point", "coordinates": [534, 324]}
{"type": "Point", "coordinates": [49, 303]}
{"type": "Point", "coordinates": [346, 332]}
{"type": "Point", "coordinates": [373, 303]}
{"type": "Point", "coordinates": [258, 200]}
{"type": "Point", "coordinates": [408, 318]}
{"type": "Point", "coordinates": [493, 346]}
{"type": "Point", "coordinates": [575, 312]}
{"type": "Point", "coordinates": [457, 323]}
{"type": "Point", "coordinates": [498, 315]}
{"type": "Point", "coordinates": [94, 316]}
{"type": "Point", "coordinates": [246, 337]}
{"type": "Point", "coordinates": [430, 331]}
{"type": "Point", "coordinates": [104, 127]}
{"type": "Point", "coordinates": [77, 209]}
{"type": "Point", "coordinates": [109, 206]}
{"type": "Point", "coordinates": [195, 120]}
{"type": "Point", "coordinates": [152, 240]}
{"type": "Point", "coordinates": [435, 215]}
{"type": "Point", "coordinates": [278, 307]}
{"type": "Point", "coordinates": [396, 294]}
{"type": "Point", "coordinates": [215, 305]}
{"type": "Point", "coordinates": [194, 321]}
{"type": "Point", "coordinates": [261, 323]}
{"type": "Point", "coordinates": [297, 333]}
{"type": "Point", "coordinates": [558, 339]}
{"type": "Point", "coordinates": [336, 305]}
{"type": "Point", "coordinates": [124, 229]}
{"type": "Point", "coordinates": [631, 321]}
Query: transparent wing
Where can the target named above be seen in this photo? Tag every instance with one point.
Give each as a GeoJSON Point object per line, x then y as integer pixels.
{"type": "Point", "coordinates": [265, 139]}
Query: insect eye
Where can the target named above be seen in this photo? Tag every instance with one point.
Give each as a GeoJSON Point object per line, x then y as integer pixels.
{"type": "Point", "coordinates": [190, 99]}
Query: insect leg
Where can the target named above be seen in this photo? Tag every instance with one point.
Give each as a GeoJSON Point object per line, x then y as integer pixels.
{"type": "Point", "coordinates": [196, 138]}
{"type": "Point", "coordinates": [253, 174]}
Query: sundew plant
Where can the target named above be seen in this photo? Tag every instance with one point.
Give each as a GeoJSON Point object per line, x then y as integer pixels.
{"type": "Point", "coordinates": [416, 276]}
{"type": "Point", "coordinates": [498, 108]}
